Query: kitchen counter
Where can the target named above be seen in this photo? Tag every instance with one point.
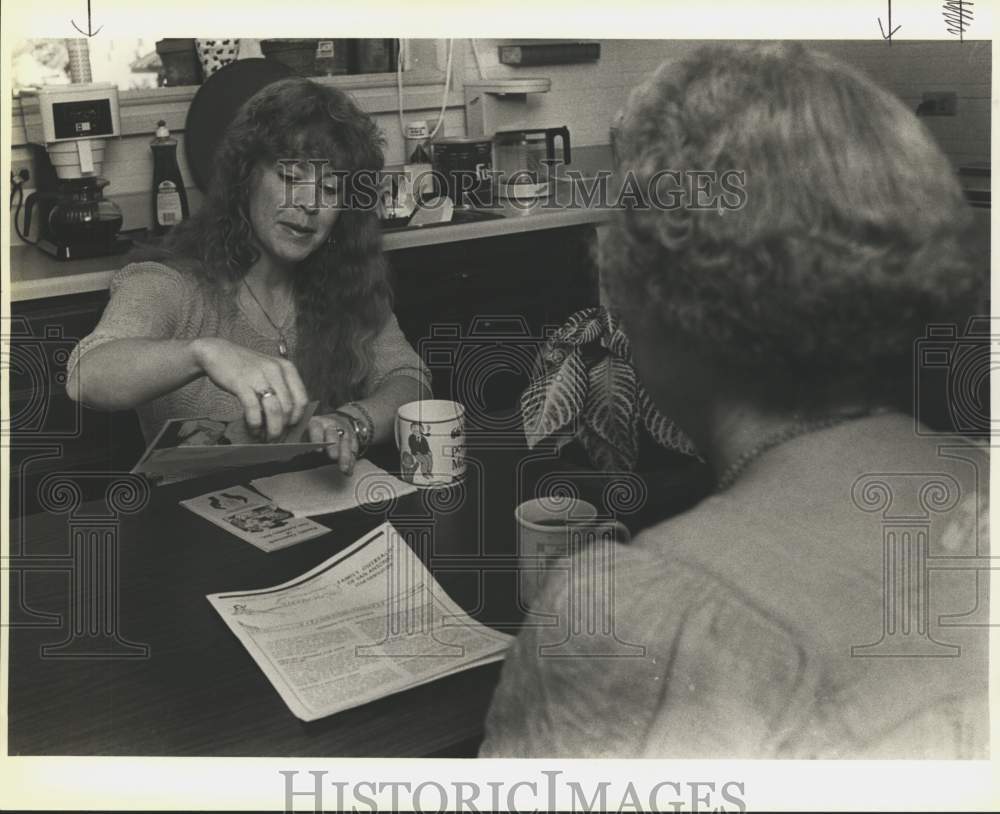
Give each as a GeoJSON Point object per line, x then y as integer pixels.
{"type": "Point", "coordinates": [35, 275]}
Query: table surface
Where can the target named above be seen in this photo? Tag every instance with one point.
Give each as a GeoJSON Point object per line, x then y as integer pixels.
{"type": "Point", "coordinates": [197, 692]}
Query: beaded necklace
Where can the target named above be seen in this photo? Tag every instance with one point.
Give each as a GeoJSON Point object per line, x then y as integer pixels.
{"type": "Point", "coordinates": [737, 467]}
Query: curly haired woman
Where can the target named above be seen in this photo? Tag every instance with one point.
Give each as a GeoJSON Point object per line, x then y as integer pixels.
{"type": "Point", "coordinates": [273, 294]}
{"type": "Point", "coordinates": [794, 613]}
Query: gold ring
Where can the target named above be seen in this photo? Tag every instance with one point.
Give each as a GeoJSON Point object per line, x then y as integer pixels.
{"type": "Point", "coordinates": [266, 394]}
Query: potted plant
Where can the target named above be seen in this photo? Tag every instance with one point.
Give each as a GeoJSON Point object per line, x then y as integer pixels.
{"type": "Point", "coordinates": [586, 392]}
{"type": "Point", "coordinates": [180, 62]}
{"type": "Point", "coordinates": [299, 55]}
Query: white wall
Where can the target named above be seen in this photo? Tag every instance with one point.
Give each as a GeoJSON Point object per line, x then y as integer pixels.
{"type": "Point", "coordinates": [908, 69]}
{"type": "Point", "coordinates": [586, 97]}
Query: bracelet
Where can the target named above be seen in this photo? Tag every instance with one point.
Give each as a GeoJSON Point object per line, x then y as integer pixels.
{"type": "Point", "coordinates": [368, 418]}
{"type": "Point", "coordinates": [360, 431]}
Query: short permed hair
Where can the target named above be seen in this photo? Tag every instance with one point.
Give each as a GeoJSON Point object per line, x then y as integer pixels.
{"type": "Point", "coordinates": [852, 238]}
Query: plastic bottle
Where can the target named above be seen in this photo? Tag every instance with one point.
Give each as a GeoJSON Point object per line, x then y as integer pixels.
{"type": "Point", "coordinates": [170, 204]}
{"type": "Point", "coordinates": [417, 171]}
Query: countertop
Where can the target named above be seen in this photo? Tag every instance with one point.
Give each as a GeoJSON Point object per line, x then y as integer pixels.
{"type": "Point", "coordinates": [35, 275]}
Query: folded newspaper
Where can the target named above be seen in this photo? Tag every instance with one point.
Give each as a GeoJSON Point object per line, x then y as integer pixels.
{"type": "Point", "coordinates": [192, 447]}
{"type": "Point", "coordinates": [366, 623]}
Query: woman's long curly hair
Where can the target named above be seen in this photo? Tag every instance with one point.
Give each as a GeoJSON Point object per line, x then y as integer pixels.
{"type": "Point", "coordinates": [342, 293]}
{"type": "Point", "coordinates": [852, 240]}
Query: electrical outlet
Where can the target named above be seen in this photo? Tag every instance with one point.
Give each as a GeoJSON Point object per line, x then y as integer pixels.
{"type": "Point", "coordinates": [18, 179]}
{"type": "Point", "coordinates": [939, 103]}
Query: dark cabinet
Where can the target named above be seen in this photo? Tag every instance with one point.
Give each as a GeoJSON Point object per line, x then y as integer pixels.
{"type": "Point", "coordinates": [48, 432]}
{"type": "Point", "coordinates": [477, 311]}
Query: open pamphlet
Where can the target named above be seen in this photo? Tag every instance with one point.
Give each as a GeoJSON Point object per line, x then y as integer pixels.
{"type": "Point", "coordinates": [366, 623]}
{"type": "Point", "coordinates": [192, 447]}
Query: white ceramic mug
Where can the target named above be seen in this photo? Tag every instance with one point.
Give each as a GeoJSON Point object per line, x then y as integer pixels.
{"type": "Point", "coordinates": [430, 435]}
{"type": "Point", "coordinates": [544, 529]}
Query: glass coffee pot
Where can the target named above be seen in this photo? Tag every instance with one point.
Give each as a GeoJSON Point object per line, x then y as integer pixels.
{"type": "Point", "coordinates": [527, 157]}
{"type": "Point", "coordinates": [76, 215]}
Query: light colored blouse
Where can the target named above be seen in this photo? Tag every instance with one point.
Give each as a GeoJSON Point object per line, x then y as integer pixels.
{"type": "Point", "coordinates": [738, 629]}
{"type": "Point", "coordinates": [151, 300]}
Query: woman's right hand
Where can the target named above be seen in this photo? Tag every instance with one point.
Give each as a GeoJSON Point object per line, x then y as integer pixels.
{"type": "Point", "coordinates": [250, 375]}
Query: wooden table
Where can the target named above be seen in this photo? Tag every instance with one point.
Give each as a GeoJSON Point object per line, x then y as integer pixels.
{"type": "Point", "coordinates": [116, 651]}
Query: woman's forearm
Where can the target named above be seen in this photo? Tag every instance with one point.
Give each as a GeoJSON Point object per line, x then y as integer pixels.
{"type": "Point", "coordinates": [382, 404]}
{"type": "Point", "coordinates": [124, 373]}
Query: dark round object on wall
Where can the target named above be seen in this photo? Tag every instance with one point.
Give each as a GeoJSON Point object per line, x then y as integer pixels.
{"type": "Point", "coordinates": [215, 106]}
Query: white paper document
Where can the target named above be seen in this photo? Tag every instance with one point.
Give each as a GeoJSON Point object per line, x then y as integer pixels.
{"type": "Point", "coordinates": [254, 518]}
{"type": "Point", "coordinates": [326, 489]}
{"type": "Point", "coordinates": [368, 622]}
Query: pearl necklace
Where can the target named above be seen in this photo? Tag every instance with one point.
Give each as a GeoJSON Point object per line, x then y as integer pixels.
{"type": "Point", "coordinates": [734, 470]}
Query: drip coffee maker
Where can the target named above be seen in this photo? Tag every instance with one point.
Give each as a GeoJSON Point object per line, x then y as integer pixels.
{"type": "Point", "coordinates": [507, 111]}
{"type": "Point", "coordinates": [74, 218]}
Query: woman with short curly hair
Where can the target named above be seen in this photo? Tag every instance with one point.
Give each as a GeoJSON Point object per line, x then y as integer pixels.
{"type": "Point", "coordinates": [850, 237]}
{"type": "Point", "coordinates": [788, 614]}
{"type": "Point", "coordinates": [272, 294]}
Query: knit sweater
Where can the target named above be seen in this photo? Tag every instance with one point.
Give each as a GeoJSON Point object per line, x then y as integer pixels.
{"type": "Point", "coordinates": [153, 301]}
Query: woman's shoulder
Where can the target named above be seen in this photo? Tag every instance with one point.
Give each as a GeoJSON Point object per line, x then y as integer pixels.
{"type": "Point", "coordinates": [165, 281]}
{"type": "Point", "coordinates": [154, 275]}
{"type": "Point", "coordinates": [646, 570]}
{"type": "Point", "coordinates": [667, 602]}
{"type": "Point", "coordinates": [593, 676]}
{"type": "Point", "coordinates": [162, 288]}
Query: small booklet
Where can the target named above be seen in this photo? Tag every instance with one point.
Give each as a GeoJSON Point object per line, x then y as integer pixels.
{"type": "Point", "coordinates": [252, 517]}
{"type": "Point", "coordinates": [368, 622]}
{"type": "Point", "coordinates": [192, 447]}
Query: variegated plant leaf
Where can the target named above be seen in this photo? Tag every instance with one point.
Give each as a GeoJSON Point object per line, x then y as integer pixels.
{"type": "Point", "coordinates": [553, 401]}
{"type": "Point", "coordinates": [603, 404]}
{"type": "Point", "coordinates": [662, 430]}
{"type": "Point", "coordinates": [617, 342]}
{"type": "Point", "coordinates": [551, 358]}
{"type": "Point", "coordinates": [609, 409]}
{"type": "Point", "coordinates": [582, 328]}
{"type": "Point", "coordinates": [613, 337]}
